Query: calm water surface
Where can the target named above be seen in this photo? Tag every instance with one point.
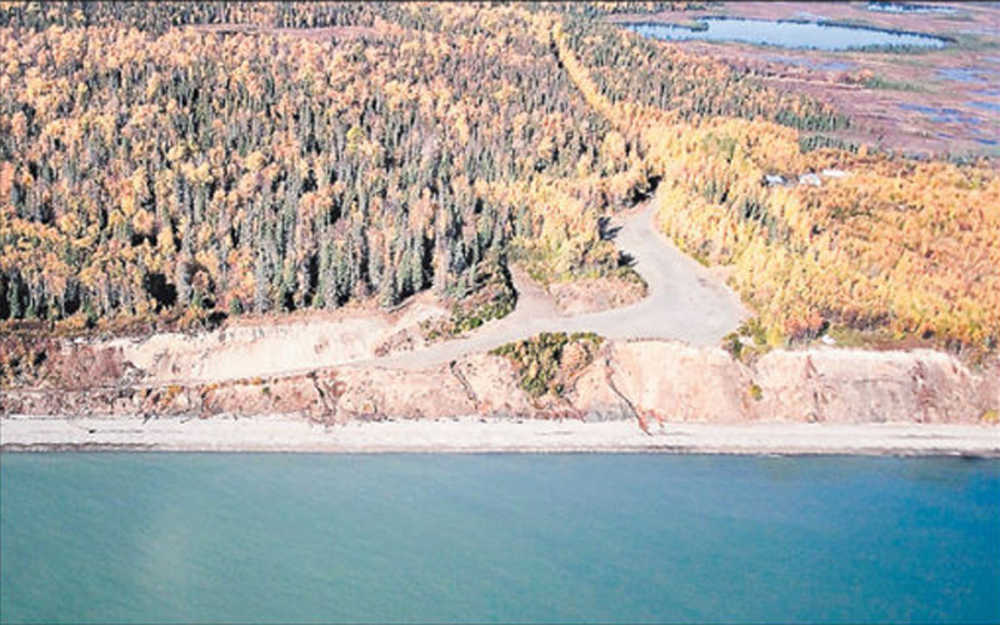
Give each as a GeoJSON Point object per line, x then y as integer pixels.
{"type": "Point", "coordinates": [906, 7]}
{"type": "Point", "coordinates": [786, 34]}
{"type": "Point", "coordinates": [438, 538]}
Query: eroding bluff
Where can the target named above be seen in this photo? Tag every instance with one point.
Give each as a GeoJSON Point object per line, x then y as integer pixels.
{"type": "Point", "coordinates": [646, 380]}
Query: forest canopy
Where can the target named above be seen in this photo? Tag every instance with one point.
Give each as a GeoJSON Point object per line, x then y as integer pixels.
{"type": "Point", "coordinates": [165, 161]}
{"type": "Point", "coordinates": [149, 171]}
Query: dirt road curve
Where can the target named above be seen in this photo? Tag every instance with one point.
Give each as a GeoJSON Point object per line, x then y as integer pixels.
{"type": "Point", "coordinates": [685, 302]}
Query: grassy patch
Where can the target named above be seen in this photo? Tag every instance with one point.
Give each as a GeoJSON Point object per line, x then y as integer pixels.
{"type": "Point", "coordinates": [848, 22]}
{"type": "Point", "coordinates": [750, 341]}
{"type": "Point", "coordinates": [628, 274]}
{"type": "Point", "coordinates": [808, 143]}
{"type": "Point", "coordinates": [548, 362]}
{"type": "Point", "coordinates": [547, 264]}
{"type": "Point", "coordinates": [492, 297]}
{"type": "Point", "coordinates": [883, 339]}
{"type": "Point", "coordinates": [861, 339]}
{"type": "Point", "coordinates": [967, 42]}
{"type": "Point", "coordinates": [880, 82]}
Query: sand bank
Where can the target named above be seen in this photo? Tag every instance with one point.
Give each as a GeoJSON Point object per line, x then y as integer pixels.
{"type": "Point", "coordinates": [475, 435]}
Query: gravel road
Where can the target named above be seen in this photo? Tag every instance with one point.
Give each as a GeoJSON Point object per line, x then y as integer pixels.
{"type": "Point", "coordinates": [685, 302]}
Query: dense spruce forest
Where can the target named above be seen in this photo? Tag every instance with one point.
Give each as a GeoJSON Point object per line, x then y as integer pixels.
{"type": "Point", "coordinates": [149, 168]}
{"type": "Point", "coordinates": [182, 162]}
{"type": "Point", "coordinates": [172, 169]}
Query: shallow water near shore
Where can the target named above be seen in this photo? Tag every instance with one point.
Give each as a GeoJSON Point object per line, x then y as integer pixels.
{"type": "Point", "coordinates": [161, 537]}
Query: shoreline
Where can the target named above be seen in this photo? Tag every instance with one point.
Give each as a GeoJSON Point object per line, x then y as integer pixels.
{"type": "Point", "coordinates": [285, 434]}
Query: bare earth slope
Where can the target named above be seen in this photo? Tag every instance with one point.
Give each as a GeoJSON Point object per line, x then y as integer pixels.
{"type": "Point", "coordinates": [685, 302]}
{"type": "Point", "coordinates": [685, 393]}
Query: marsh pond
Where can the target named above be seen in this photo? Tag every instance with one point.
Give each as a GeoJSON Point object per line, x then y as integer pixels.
{"type": "Point", "coordinates": [788, 34]}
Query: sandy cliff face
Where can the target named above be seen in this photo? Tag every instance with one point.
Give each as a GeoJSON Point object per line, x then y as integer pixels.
{"type": "Point", "coordinates": [647, 380]}
{"type": "Point", "coordinates": [860, 386]}
{"type": "Point", "coordinates": [814, 385]}
{"type": "Point", "coordinates": [672, 381]}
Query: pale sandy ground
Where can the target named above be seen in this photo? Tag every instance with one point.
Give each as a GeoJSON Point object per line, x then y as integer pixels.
{"type": "Point", "coordinates": [472, 434]}
{"type": "Point", "coordinates": [685, 301]}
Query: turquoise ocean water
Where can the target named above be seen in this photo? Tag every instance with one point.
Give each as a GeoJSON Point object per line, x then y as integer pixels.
{"type": "Point", "coordinates": [515, 538]}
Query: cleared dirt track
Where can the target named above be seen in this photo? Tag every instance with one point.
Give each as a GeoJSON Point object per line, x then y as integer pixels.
{"type": "Point", "coordinates": [685, 302]}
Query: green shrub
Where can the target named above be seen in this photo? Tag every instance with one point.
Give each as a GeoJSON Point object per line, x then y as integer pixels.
{"type": "Point", "coordinates": [491, 296]}
{"type": "Point", "coordinates": [546, 363]}
{"type": "Point", "coordinates": [760, 343]}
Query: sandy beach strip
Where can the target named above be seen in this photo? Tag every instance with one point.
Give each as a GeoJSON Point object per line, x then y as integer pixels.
{"type": "Point", "coordinates": [475, 435]}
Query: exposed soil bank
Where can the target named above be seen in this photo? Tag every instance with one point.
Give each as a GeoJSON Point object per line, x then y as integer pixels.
{"type": "Point", "coordinates": [474, 435]}
{"type": "Point", "coordinates": [645, 382]}
{"type": "Point", "coordinates": [337, 369]}
{"type": "Point", "coordinates": [684, 301]}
